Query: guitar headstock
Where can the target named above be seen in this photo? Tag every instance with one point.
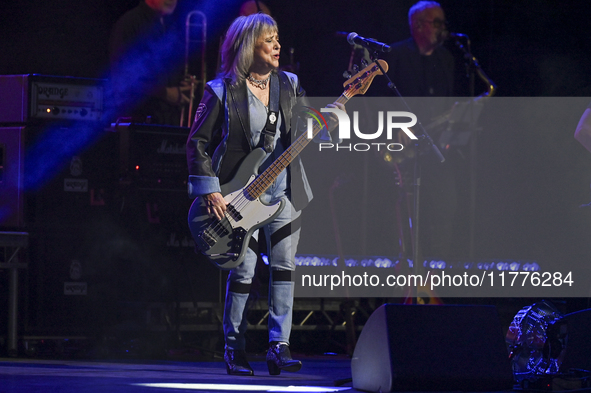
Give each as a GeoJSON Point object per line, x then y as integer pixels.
{"type": "Point", "coordinates": [360, 82]}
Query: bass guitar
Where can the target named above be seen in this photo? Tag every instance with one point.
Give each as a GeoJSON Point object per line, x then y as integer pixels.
{"type": "Point", "coordinates": [225, 242]}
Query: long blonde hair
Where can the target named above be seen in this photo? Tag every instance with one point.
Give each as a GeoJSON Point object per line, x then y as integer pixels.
{"type": "Point", "coordinates": [238, 48]}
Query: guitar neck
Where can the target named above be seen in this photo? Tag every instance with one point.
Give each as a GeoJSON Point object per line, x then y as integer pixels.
{"type": "Point", "coordinates": [265, 179]}
{"type": "Point", "coordinates": [358, 84]}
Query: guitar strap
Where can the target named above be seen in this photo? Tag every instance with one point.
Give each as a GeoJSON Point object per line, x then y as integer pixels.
{"type": "Point", "coordinates": [268, 133]}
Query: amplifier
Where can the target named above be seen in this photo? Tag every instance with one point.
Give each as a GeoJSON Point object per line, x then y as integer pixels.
{"type": "Point", "coordinates": [153, 157]}
{"type": "Point", "coordinates": [44, 97]}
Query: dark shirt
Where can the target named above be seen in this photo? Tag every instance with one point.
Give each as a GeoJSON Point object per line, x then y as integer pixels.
{"type": "Point", "coordinates": [145, 59]}
{"type": "Point", "coordinates": [417, 75]}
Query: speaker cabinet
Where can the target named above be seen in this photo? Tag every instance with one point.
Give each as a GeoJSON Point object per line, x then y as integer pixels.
{"type": "Point", "coordinates": [156, 223]}
{"type": "Point", "coordinates": [12, 150]}
{"type": "Point", "coordinates": [432, 348]}
{"type": "Point", "coordinates": [70, 205]}
{"type": "Point", "coordinates": [578, 346]}
{"type": "Point", "coordinates": [97, 243]}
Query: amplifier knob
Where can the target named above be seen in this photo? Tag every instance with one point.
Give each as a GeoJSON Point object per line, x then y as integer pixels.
{"type": "Point", "coordinates": [83, 112]}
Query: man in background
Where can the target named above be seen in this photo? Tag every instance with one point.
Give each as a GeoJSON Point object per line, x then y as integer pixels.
{"type": "Point", "coordinates": [145, 52]}
{"type": "Point", "coordinates": [420, 66]}
{"type": "Point", "coordinates": [429, 67]}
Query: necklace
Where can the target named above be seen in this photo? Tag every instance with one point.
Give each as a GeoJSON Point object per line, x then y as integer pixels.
{"type": "Point", "coordinates": [261, 84]}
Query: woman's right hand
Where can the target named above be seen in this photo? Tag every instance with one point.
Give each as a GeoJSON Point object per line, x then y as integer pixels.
{"type": "Point", "coordinates": [216, 205]}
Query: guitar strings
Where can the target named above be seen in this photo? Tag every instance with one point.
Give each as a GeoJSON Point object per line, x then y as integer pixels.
{"type": "Point", "coordinates": [255, 189]}
{"type": "Point", "coordinates": [241, 200]}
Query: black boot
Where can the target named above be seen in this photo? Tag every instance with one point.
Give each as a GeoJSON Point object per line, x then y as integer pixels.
{"type": "Point", "coordinates": [279, 358]}
{"type": "Point", "coordinates": [236, 363]}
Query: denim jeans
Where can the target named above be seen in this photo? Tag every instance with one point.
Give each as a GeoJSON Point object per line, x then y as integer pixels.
{"type": "Point", "coordinates": [282, 260]}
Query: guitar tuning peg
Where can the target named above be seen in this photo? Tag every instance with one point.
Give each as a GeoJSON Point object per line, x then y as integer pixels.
{"type": "Point", "coordinates": [355, 68]}
{"type": "Point", "coordinates": [364, 63]}
{"type": "Point", "coordinates": [346, 74]}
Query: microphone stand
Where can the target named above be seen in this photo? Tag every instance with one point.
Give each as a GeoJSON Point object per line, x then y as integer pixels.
{"type": "Point", "coordinates": [471, 63]}
{"type": "Point", "coordinates": [473, 67]}
{"type": "Point", "coordinates": [423, 140]}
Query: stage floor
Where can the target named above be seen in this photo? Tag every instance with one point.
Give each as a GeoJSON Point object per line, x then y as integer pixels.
{"type": "Point", "coordinates": [318, 374]}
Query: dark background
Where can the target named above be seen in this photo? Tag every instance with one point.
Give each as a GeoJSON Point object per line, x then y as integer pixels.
{"type": "Point", "coordinates": [531, 181]}
{"type": "Point", "coordinates": [529, 48]}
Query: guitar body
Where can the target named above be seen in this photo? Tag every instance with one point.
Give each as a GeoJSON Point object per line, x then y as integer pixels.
{"type": "Point", "coordinates": [225, 242]}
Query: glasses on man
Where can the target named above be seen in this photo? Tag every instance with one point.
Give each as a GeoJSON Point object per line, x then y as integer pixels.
{"type": "Point", "coordinates": [437, 23]}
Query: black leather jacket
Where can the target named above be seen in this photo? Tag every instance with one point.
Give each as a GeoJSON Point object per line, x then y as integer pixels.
{"type": "Point", "coordinates": [220, 137]}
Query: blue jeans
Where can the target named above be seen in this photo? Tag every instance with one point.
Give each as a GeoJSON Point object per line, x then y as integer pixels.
{"type": "Point", "coordinates": [281, 287]}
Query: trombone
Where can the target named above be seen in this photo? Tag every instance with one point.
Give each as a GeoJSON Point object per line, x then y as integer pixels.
{"type": "Point", "coordinates": [195, 42]}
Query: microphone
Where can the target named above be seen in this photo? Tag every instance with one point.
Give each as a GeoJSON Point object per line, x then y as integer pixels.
{"type": "Point", "coordinates": [456, 35]}
{"type": "Point", "coordinates": [354, 38]}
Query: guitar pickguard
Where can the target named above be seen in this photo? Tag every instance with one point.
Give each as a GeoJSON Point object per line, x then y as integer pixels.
{"type": "Point", "coordinates": [225, 242]}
